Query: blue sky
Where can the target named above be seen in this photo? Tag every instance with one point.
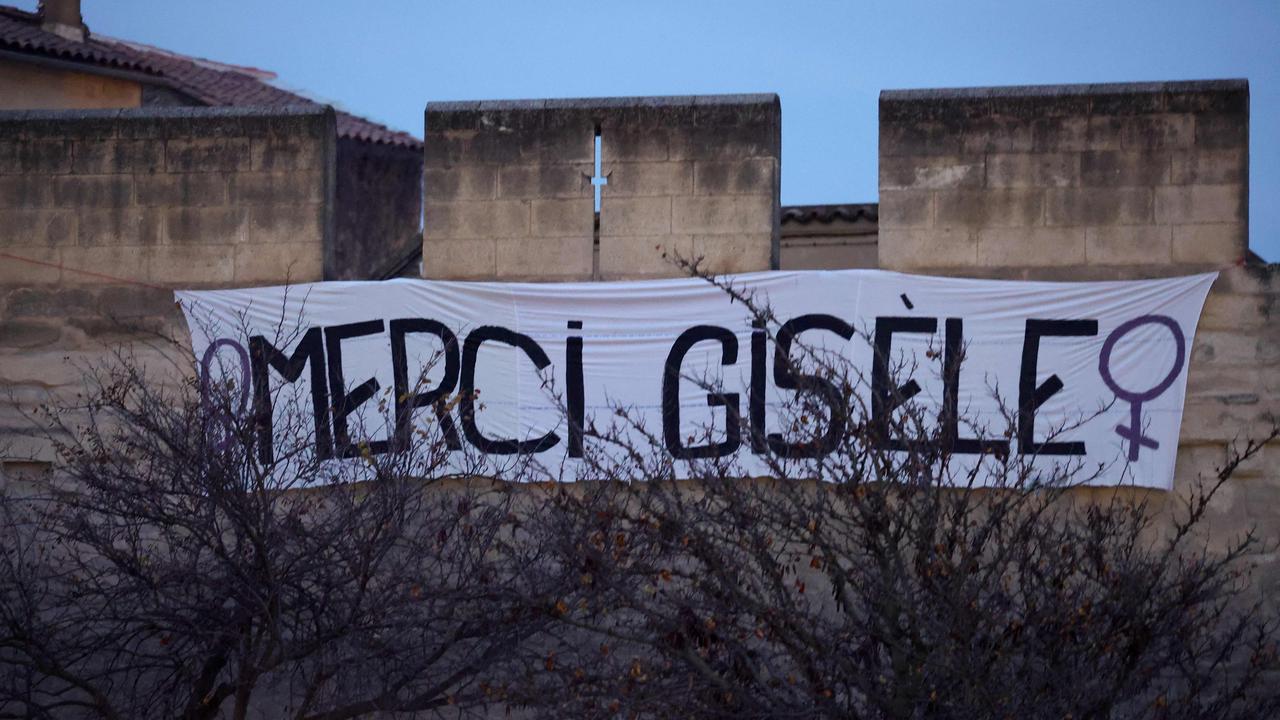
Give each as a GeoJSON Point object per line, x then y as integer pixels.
{"type": "Point", "coordinates": [828, 61]}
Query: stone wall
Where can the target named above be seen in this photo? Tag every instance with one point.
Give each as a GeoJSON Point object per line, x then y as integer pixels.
{"type": "Point", "coordinates": [510, 194]}
{"type": "Point", "coordinates": [377, 209]}
{"type": "Point", "coordinates": [1103, 182]}
{"type": "Point", "coordinates": [102, 212]}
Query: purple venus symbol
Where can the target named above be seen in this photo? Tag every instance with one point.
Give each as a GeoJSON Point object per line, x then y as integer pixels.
{"type": "Point", "coordinates": [1133, 431]}
{"type": "Point", "coordinates": [206, 368]}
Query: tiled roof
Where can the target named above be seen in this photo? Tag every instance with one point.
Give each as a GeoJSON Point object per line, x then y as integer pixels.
{"type": "Point", "coordinates": [207, 82]}
{"type": "Point", "coordinates": [850, 212]}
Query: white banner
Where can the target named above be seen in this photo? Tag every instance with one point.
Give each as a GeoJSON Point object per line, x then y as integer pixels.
{"type": "Point", "coordinates": [1092, 372]}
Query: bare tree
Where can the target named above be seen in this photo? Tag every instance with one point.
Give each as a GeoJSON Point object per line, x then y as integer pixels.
{"type": "Point", "coordinates": [899, 580]}
{"type": "Point", "coordinates": [171, 568]}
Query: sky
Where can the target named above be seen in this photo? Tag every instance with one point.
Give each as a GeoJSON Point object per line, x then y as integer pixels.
{"type": "Point", "coordinates": [827, 60]}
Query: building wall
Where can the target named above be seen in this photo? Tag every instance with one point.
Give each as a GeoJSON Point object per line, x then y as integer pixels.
{"type": "Point", "coordinates": [377, 209]}
{"type": "Point", "coordinates": [103, 212]}
{"type": "Point", "coordinates": [29, 85]}
{"type": "Point", "coordinates": [509, 191]}
{"type": "Point", "coordinates": [829, 237]}
{"type": "Point", "coordinates": [1103, 182]}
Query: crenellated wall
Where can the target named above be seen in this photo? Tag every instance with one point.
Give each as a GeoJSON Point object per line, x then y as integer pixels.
{"type": "Point", "coordinates": [510, 193]}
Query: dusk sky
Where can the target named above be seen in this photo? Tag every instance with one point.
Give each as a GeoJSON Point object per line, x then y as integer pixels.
{"type": "Point", "coordinates": [828, 61]}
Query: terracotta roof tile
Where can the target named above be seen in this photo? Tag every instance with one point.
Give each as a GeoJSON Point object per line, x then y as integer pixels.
{"type": "Point", "coordinates": [206, 81]}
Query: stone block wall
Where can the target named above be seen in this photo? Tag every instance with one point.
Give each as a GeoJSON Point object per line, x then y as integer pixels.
{"type": "Point", "coordinates": [509, 191]}
{"type": "Point", "coordinates": [1104, 182]}
{"type": "Point", "coordinates": [103, 212]}
{"type": "Point", "coordinates": [377, 209]}
{"type": "Point", "coordinates": [1133, 178]}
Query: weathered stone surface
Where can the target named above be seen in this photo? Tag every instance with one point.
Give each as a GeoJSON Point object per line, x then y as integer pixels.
{"type": "Point", "coordinates": [721, 214]}
{"type": "Point", "coordinates": [559, 218]}
{"type": "Point", "coordinates": [38, 227]}
{"type": "Point", "coordinates": [1003, 207]}
{"type": "Point", "coordinates": [278, 188]}
{"type": "Point", "coordinates": [1014, 247]}
{"type": "Point", "coordinates": [628, 256]}
{"type": "Point", "coordinates": [27, 334]}
{"type": "Point", "coordinates": [914, 249]}
{"type": "Point", "coordinates": [546, 258]}
{"type": "Point", "coordinates": [48, 157]}
{"type": "Point", "coordinates": [633, 179]}
{"type": "Point", "coordinates": [906, 209]}
{"type": "Point", "coordinates": [120, 226]}
{"type": "Point", "coordinates": [79, 191]}
{"type": "Point", "coordinates": [1098, 206]}
{"type": "Point", "coordinates": [931, 173]}
{"type": "Point", "coordinates": [472, 259]}
{"type": "Point", "coordinates": [1109, 168]}
{"type": "Point", "coordinates": [636, 216]}
{"type": "Point", "coordinates": [1023, 170]}
{"type": "Point", "coordinates": [475, 219]}
{"type": "Point", "coordinates": [1210, 167]}
{"type": "Point", "coordinates": [1128, 245]}
{"type": "Point", "coordinates": [207, 155]}
{"type": "Point", "coordinates": [736, 177]}
{"type": "Point", "coordinates": [532, 181]}
{"type": "Point", "coordinates": [205, 226]}
{"type": "Point", "coordinates": [1214, 244]}
{"type": "Point", "coordinates": [733, 253]}
{"type": "Point", "coordinates": [186, 189]}
{"type": "Point", "coordinates": [1200, 204]}
{"type": "Point", "coordinates": [94, 157]}
{"type": "Point", "coordinates": [284, 262]}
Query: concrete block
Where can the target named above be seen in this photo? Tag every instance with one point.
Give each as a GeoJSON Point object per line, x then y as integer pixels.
{"type": "Point", "coordinates": [96, 157]}
{"type": "Point", "coordinates": [1146, 132]}
{"type": "Point", "coordinates": [465, 182]}
{"type": "Point", "coordinates": [998, 135]}
{"type": "Point", "coordinates": [285, 224]}
{"type": "Point", "coordinates": [1190, 204]}
{"type": "Point", "coordinates": [43, 157]}
{"type": "Point", "coordinates": [81, 191]}
{"type": "Point", "coordinates": [37, 227]}
{"type": "Point", "coordinates": [484, 219]}
{"type": "Point", "coordinates": [105, 264]}
{"type": "Point", "coordinates": [748, 252]}
{"type": "Point", "coordinates": [931, 172]}
{"type": "Point", "coordinates": [44, 266]}
{"type": "Point", "coordinates": [1128, 245]}
{"type": "Point", "coordinates": [723, 142]}
{"type": "Point", "coordinates": [275, 153]}
{"type": "Point", "coordinates": [278, 188]}
{"type": "Point", "coordinates": [284, 262]}
{"type": "Point", "coordinates": [1098, 206]}
{"type": "Point", "coordinates": [543, 181]}
{"type": "Point", "coordinates": [1032, 170]}
{"type": "Point", "coordinates": [1067, 134]}
{"type": "Point", "coordinates": [185, 189]}
{"type": "Point", "coordinates": [625, 257]}
{"type": "Point", "coordinates": [635, 216]}
{"type": "Point", "coordinates": [1222, 130]}
{"type": "Point", "coordinates": [1001, 207]}
{"type": "Point", "coordinates": [633, 145]}
{"type": "Point", "coordinates": [1231, 311]}
{"type": "Point", "coordinates": [927, 248]}
{"type": "Point", "coordinates": [26, 191]}
{"type": "Point", "coordinates": [919, 138]}
{"type": "Point", "coordinates": [207, 155]}
{"type": "Point", "coordinates": [193, 265]}
{"type": "Point", "coordinates": [1213, 244]}
{"type": "Point", "coordinates": [635, 179]}
{"type": "Point", "coordinates": [1210, 167]}
{"type": "Point", "coordinates": [205, 226]}
{"type": "Point", "coordinates": [544, 258]}
{"type": "Point", "coordinates": [740, 177]}
{"type": "Point", "coordinates": [906, 209]}
{"type": "Point", "coordinates": [722, 215]}
{"type": "Point", "coordinates": [557, 218]}
{"type": "Point", "coordinates": [1112, 168]}
{"type": "Point", "coordinates": [447, 259]}
{"type": "Point", "coordinates": [1031, 247]}
{"type": "Point", "coordinates": [120, 226]}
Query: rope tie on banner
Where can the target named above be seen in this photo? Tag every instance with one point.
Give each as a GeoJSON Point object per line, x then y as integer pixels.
{"type": "Point", "coordinates": [89, 273]}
